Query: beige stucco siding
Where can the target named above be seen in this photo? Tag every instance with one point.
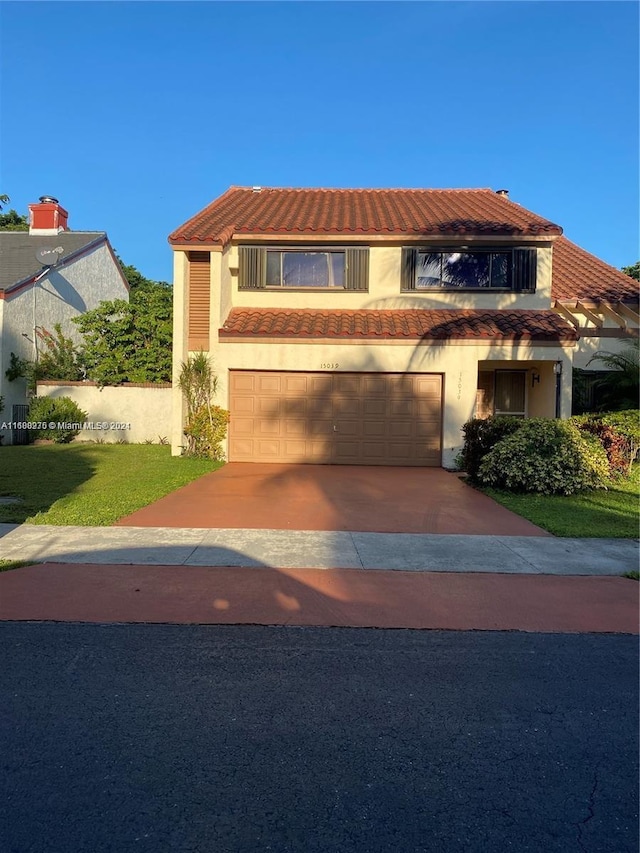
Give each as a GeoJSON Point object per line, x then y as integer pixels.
{"type": "Point", "coordinates": [457, 363]}
{"type": "Point", "coordinates": [384, 289]}
{"type": "Point", "coordinates": [588, 345]}
{"type": "Point", "coordinates": [180, 272]}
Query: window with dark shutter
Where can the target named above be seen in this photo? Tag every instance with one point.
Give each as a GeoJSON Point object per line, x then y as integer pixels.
{"type": "Point", "coordinates": [490, 268]}
{"type": "Point", "coordinates": [252, 272]}
{"type": "Point", "coordinates": [357, 269]}
{"type": "Point", "coordinates": [331, 268]}
{"type": "Point", "coordinates": [525, 270]}
{"type": "Point", "coordinates": [408, 272]}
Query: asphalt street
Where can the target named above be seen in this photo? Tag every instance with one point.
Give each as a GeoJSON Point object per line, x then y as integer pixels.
{"type": "Point", "coordinates": [243, 738]}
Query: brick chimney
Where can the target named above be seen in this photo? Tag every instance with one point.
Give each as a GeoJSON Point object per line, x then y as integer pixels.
{"type": "Point", "coordinates": [47, 216]}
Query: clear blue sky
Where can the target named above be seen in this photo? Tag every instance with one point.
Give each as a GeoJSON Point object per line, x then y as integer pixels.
{"type": "Point", "coordinates": [136, 115]}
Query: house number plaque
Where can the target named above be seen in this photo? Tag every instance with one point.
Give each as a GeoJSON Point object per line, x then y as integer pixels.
{"type": "Point", "coordinates": [329, 365]}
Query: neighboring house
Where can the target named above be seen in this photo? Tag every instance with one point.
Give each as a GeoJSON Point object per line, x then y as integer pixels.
{"type": "Point", "coordinates": [48, 276]}
{"type": "Point", "coordinates": [366, 326]}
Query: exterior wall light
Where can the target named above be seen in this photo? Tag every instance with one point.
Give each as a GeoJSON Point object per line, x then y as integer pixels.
{"type": "Point", "coordinates": [557, 368]}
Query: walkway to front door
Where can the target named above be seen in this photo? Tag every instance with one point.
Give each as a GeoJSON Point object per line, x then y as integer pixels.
{"type": "Point", "coordinates": [333, 497]}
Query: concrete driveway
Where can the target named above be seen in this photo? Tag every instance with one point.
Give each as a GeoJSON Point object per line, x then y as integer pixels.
{"type": "Point", "coordinates": [333, 497]}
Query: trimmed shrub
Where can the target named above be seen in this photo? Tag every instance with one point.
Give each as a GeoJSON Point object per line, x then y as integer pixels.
{"type": "Point", "coordinates": [207, 428]}
{"type": "Point", "coordinates": [619, 434]}
{"type": "Point", "coordinates": [627, 423]}
{"type": "Point", "coordinates": [546, 456]}
{"type": "Point", "coordinates": [63, 417]}
{"type": "Point", "coordinates": [480, 436]}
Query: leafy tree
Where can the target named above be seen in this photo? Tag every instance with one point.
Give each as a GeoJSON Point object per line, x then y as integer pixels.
{"type": "Point", "coordinates": [13, 221]}
{"type": "Point", "coordinates": [135, 278]}
{"type": "Point", "coordinates": [633, 271]}
{"type": "Point", "coordinates": [129, 341]}
{"type": "Point", "coordinates": [59, 357]}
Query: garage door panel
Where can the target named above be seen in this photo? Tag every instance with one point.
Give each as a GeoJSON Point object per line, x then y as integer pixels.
{"type": "Point", "coordinates": [401, 429]}
{"type": "Point", "coordinates": [373, 428]}
{"type": "Point", "coordinates": [320, 427]}
{"type": "Point", "coordinates": [243, 426]}
{"type": "Point", "coordinates": [375, 385]}
{"type": "Point", "coordinates": [347, 406]}
{"type": "Point", "coordinates": [430, 386]}
{"type": "Point", "coordinates": [321, 383]}
{"type": "Point", "coordinates": [319, 406]}
{"type": "Point", "coordinates": [428, 408]}
{"type": "Point", "coordinates": [347, 384]}
{"type": "Point", "coordinates": [245, 405]}
{"type": "Point", "coordinates": [379, 419]}
{"type": "Point", "coordinates": [344, 427]}
{"type": "Point", "coordinates": [427, 429]}
{"type": "Point", "coordinates": [268, 428]}
{"type": "Point", "coordinates": [374, 408]}
{"type": "Point", "coordinates": [295, 407]}
{"type": "Point", "coordinates": [402, 408]}
{"type": "Point", "coordinates": [269, 383]}
{"type": "Point", "coordinates": [296, 385]}
{"type": "Point", "coordinates": [243, 382]}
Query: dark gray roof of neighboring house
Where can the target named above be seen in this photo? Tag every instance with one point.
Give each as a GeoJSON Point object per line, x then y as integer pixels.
{"type": "Point", "coordinates": [18, 260]}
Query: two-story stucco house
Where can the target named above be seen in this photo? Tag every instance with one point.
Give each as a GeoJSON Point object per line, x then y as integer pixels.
{"type": "Point", "coordinates": [366, 326]}
{"type": "Point", "coordinates": [48, 275]}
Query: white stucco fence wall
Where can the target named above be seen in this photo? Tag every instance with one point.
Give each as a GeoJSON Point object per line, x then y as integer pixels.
{"type": "Point", "coordinates": [144, 409]}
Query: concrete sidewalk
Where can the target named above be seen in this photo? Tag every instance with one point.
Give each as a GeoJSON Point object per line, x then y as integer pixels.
{"type": "Point", "coordinates": [318, 550]}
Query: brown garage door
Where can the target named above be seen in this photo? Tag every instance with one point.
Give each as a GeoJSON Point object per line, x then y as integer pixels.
{"type": "Point", "coordinates": [340, 418]}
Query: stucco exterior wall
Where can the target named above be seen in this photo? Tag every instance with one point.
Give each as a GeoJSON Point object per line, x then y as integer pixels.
{"type": "Point", "coordinates": [458, 363]}
{"type": "Point", "coordinates": [145, 410]}
{"type": "Point", "coordinates": [384, 289]}
{"type": "Point", "coordinates": [588, 345]}
{"type": "Point", "coordinates": [60, 295]}
{"type": "Point", "coordinates": [180, 270]}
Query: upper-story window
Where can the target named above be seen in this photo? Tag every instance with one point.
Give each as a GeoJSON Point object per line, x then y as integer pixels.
{"type": "Point", "coordinates": [464, 269]}
{"type": "Point", "coordinates": [307, 267]}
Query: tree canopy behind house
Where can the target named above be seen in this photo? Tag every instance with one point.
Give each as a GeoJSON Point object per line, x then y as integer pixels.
{"type": "Point", "coordinates": [633, 271]}
{"type": "Point", "coordinates": [130, 341]}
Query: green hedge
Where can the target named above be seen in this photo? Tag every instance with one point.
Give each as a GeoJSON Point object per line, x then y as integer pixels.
{"type": "Point", "coordinates": [546, 456]}
{"type": "Point", "coordinates": [60, 413]}
{"type": "Point", "coordinates": [480, 436]}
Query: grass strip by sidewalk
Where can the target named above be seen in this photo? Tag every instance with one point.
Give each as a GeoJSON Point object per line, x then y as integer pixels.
{"type": "Point", "coordinates": [90, 484]}
{"type": "Point", "coordinates": [611, 513]}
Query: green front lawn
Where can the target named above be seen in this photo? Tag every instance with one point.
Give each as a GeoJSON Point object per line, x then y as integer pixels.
{"type": "Point", "coordinates": [90, 484]}
{"type": "Point", "coordinates": [598, 514]}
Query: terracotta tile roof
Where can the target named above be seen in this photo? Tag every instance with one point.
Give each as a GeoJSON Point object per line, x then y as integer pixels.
{"type": "Point", "coordinates": [438, 324]}
{"type": "Point", "coordinates": [402, 212]}
{"type": "Point", "coordinates": [579, 275]}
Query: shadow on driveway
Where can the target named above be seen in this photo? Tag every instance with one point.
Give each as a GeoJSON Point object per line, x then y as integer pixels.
{"type": "Point", "coordinates": [368, 499]}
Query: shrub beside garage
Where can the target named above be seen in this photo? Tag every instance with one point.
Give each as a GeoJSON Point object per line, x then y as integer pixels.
{"type": "Point", "coordinates": [548, 456]}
